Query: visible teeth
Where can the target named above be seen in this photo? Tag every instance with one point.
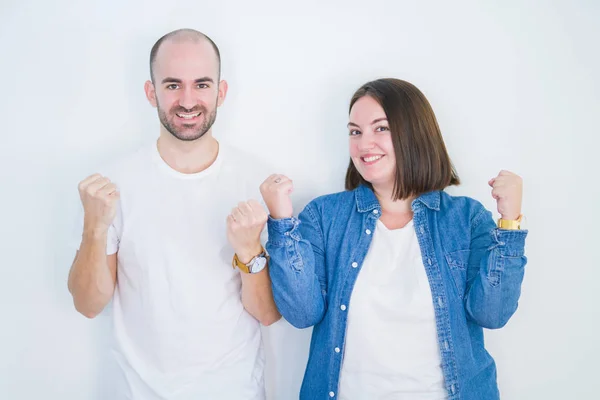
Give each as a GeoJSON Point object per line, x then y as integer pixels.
{"type": "Point", "coordinates": [372, 158]}
{"type": "Point", "coordinates": [188, 116]}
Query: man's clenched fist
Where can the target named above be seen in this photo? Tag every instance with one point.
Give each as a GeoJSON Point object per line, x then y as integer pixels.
{"type": "Point", "coordinates": [244, 225]}
{"type": "Point", "coordinates": [99, 198]}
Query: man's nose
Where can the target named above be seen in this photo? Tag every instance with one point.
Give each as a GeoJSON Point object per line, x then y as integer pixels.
{"type": "Point", "coordinates": [187, 99]}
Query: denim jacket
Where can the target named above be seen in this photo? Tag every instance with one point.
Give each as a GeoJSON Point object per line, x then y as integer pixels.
{"type": "Point", "coordinates": [474, 270]}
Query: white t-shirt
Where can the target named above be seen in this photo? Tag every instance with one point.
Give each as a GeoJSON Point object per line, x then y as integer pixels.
{"type": "Point", "coordinates": [180, 329]}
{"type": "Point", "coordinates": [391, 349]}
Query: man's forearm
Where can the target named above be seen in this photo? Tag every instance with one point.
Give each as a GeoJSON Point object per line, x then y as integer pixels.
{"type": "Point", "coordinates": [91, 280]}
{"type": "Point", "coordinates": [257, 297]}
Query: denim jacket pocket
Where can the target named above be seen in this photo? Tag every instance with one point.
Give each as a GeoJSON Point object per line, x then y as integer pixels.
{"type": "Point", "coordinates": [458, 262]}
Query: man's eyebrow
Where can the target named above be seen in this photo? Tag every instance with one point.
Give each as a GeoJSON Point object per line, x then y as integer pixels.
{"type": "Point", "coordinates": [199, 80]}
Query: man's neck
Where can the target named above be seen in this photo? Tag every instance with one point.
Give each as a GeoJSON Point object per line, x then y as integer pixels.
{"type": "Point", "coordinates": [188, 157]}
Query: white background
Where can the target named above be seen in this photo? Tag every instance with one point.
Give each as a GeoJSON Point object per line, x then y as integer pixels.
{"type": "Point", "coordinates": [514, 84]}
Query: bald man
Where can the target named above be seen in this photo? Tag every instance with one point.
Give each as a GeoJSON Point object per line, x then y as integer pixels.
{"type": "Point", "coordinates": [161, 237]}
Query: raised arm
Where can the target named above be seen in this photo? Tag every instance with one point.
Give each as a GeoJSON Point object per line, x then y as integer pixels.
{"type": "Point", "coordinates": [92, 277]}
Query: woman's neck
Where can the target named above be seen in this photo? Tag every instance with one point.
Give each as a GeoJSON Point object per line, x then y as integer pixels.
{"type": "Point", "coordinates": [394, 213]}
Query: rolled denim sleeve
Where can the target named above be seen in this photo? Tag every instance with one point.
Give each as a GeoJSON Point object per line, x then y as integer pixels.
{"type": "Point", "coordinates": [495, 272]}
{"type": "Point", "coordinates": [295, 246]}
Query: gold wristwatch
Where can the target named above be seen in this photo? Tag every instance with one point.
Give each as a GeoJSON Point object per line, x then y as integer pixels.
{"type": "Point", "coordinates": [510, 224]}
{"type": "Point", "coordinates": [257, 264]}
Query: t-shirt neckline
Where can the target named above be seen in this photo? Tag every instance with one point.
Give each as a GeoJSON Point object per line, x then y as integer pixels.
{"type": "Point", "coordinates": [163, 166]}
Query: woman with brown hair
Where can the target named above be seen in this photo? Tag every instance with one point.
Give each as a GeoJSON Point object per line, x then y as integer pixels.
{"type": "Point", "coordinates": [397, 277]}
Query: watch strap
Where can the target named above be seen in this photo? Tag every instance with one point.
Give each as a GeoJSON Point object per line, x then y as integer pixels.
{"type": "Point", "coordinates": [510, 224]}
{"type": "Point", "coordinates": [245, 268]}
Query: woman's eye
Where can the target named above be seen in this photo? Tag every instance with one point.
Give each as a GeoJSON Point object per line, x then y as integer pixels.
{"type": "Point", "coordinates": [382, 129]}
{"type": "Point", "coordinates": [354, 132]}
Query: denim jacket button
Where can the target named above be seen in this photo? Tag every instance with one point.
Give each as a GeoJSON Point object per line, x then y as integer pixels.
{"type": "Point", "coordinates": [375, 212]}
{"type": "Point", "coordinates": [354, 265]}
{"type": "Point", "coordinates": [331, 394]}
{"type": "Point", "coordinates": [368, 231]}
{"type": "Point", "coordinates": [343, 307]}
{"type": "Point", "coordinates": [337, 349]}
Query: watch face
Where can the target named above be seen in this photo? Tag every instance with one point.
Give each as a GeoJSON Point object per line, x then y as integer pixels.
{"type": "Point", "coordinates": [258, 265]}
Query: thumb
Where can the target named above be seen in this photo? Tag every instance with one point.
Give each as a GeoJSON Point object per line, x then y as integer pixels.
{"type": "Point", "coordinates": [491, 182]}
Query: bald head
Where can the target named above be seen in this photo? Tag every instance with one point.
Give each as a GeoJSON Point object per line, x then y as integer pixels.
{"type": "Point", "coordinates": [183, 36]}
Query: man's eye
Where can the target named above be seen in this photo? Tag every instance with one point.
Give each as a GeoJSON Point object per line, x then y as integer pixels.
{"type": "Point", "coordinates": [202, 86]}
{"type": "Point", "coordinates": [354, 132]}
{"type": "Point", "coordinates": [172, 86]}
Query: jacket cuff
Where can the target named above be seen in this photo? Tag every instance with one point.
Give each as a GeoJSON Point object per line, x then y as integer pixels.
{"type": "Point", "coordinates": [280, 229]}
{"type": "Point", "coordinates": [510, 243]}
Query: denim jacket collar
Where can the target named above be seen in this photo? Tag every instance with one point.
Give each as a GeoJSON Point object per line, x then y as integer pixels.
{"type": "Point", "coordinates": [367, 201]}
{"type": "Point", "coordinates": [431, 200]}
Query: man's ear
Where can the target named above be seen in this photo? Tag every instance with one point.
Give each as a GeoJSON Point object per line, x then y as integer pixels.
{"type": "Point", "coordinates": [150, 93]}
{"type": "Point", "coordinates": [222, 92]}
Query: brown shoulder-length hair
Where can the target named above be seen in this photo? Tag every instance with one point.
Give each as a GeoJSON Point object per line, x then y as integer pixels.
{"type": "Point", "coordinates": [422, 162]}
